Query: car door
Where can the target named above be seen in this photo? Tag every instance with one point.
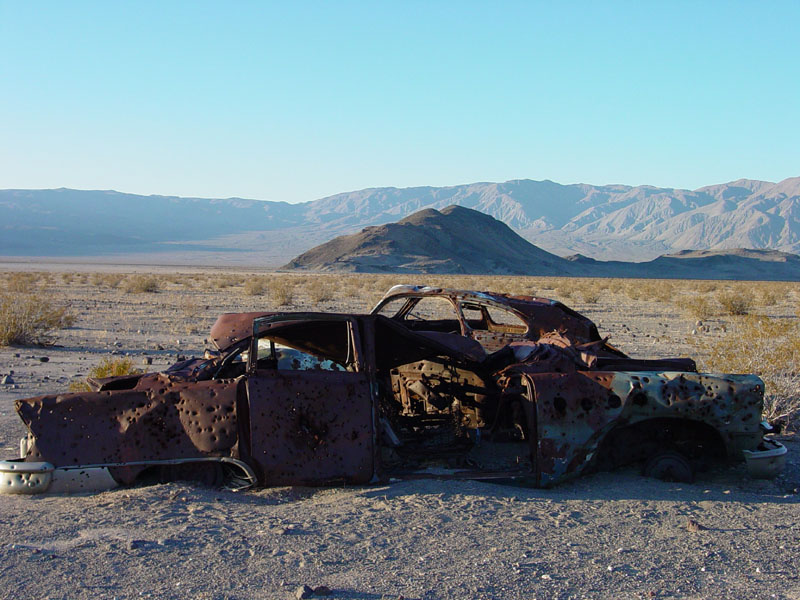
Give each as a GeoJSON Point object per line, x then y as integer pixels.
{"type": "Point", "coordinates": [310, 403]}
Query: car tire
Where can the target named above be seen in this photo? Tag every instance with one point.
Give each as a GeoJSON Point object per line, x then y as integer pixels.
{"type": "Point", "coordinates": [669, 465]}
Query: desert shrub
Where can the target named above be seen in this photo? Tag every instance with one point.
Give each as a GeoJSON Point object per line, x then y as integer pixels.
{"type": "Point", "coordinates": [704, 287]}
{"type": "Point", "coordinates": [109, 280]}
{"type": "Point", "coordinates": [590, 296]}
{"type": "Point", "coordinates": [30, 319]}
{"type": "Point", "coordinates": [255, 286]}
{"type": "Point", "coordinates": [769, 348]}
{"type": "Point", "coordinates": [21, 283]}
{"type": "Point", "coordinates": [141, 284]}
{"type": "Point", "coordinates": [698, 307]}
{"type": "Point", "coordinates": [226, 281]}
{"type": "Point", "coordinates": [767, 297]}
{"type": "Point", "coordinates": [319, 290]}
{"type": "Point", "coordinates": [281, 291]}
{"type": "Point", "coordinates": [108, 367]}
{"type": "Point", "coordinates": [735, 303]}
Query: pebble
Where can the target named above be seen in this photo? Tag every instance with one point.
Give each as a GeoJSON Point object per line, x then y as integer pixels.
{"type": "Point", "coordinates": [694, 526]}
{"type": "Point", "coordinates": [303, 591]}
{"type": "Point", "coordinates": [44, 359]}
{"type": "Point", "coordinates": [6, 380]}
{"type": "Point", "coordinates": [147, 360]}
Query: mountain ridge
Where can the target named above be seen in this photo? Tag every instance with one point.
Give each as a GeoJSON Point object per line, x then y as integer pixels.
{"type": "Point", "coordinates": [459, 240]}
{"type": "Point", "coordinates": [606, 222]}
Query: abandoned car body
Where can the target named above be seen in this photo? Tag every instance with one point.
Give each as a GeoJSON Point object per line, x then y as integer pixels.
{"type": "Point", "coordinates": [321, 398]}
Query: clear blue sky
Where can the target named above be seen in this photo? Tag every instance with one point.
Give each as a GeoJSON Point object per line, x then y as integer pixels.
{"type": "Point", "coordinates": [298, 100]}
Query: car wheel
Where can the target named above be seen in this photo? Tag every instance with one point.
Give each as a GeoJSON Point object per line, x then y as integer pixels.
{"type": "Point", "coordinates": [669, 465]}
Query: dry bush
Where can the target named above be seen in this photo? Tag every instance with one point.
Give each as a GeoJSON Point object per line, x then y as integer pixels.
{"type": "Point", "coordinates": [770, 348]}
{"type": "Point", "coordinates": [255, 286]}
{"type": "Point", "coordinates": [737, 302]}
{"type": "Point", "coordinates": [281, 290]}
{"type": "Point", "coordinates": [319, 290]}
{"type": "Point", "coordinates": [767, 297]}
{"type": "Point", "coordinates": [659, 290]}
{"type": "Point", "coordinates": [28, 319]}
{"type": "Point", "coordinates": [703, 287]}
{"type": "Point", "coordinates": [226, 281]}
{"type": "Point", "coordinates": [590, 296]}
{"type": "Point", "coordinates": [21, 283]}
{"type": "Point", "coordinates": [109, 280]}
{"type": "Point", "coordinates": [698, 307]}
{"type": "Point", "coordinates": [108, 367]}
{"type": "Point", "coordinates": [141, 284]}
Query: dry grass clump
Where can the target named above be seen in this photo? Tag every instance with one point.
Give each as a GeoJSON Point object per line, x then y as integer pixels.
{"type": "Point", "coordinates": [226, 281]}
{"type": "Point", "coordinates": [767, 297]}
{"type": "Point", "coordinates": [108, 367]}
{"type": "Point", "coordinates": [109, 280]}
{"type": "Point", "coordinates": [769, 348]}
{"type": "Point", "coordinates": [736, 302]}
{"type": "Point", "coordinates": [141, 284]}
{"type": "Point", "coordinates": [698, 307]}
{"type": "Point", "coordinates": [281, 290]}
{"type": "Point", "coordinates": [21, 283]}
{"type": "Point", "coordinates": [255, 286]}
{"type": "Point", "coordinates": [30, 319]}
{"type": "Point", "coordinates": [590, 296]}
{"type": "Point", "coordinates": [319, 290]}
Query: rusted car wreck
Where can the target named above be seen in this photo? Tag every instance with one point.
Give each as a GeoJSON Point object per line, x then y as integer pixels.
{"type": "Point", "coordinates": [322, 398]}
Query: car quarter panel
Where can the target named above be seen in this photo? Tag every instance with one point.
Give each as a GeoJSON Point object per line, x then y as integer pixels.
{"type": "Point", "coordinates": [159, 419]}
{"type": "Point", "coordinates": [574, 411]}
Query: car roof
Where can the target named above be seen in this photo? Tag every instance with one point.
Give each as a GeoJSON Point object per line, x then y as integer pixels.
{"type": "Point", "coordinates": [514, 301]}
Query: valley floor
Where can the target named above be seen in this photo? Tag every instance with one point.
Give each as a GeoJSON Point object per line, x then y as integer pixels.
{"type": "Point", "coordinates": [608, 535]}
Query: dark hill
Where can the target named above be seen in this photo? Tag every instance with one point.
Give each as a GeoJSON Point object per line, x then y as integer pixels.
{"type": "Point", "coordinates": [462, 240]}
{"type": "Point", "coordinates": [455, 240]}
{"type": "Point", "coordinates": [736, 263]}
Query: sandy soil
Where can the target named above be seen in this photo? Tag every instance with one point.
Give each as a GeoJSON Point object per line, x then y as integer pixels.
{"type": "Point", "coordinates": [608, 535]}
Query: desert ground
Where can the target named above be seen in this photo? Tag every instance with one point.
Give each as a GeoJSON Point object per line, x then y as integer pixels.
{"type": "Point", "coordinates": [606, 535]}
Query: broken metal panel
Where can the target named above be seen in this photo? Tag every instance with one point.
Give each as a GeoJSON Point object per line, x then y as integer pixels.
{"type": "Point", "coordinates": [574, 411]}
{"type": "Point", "coordinates": [159, 419]}
{"type": "Point", "coordinates": [311, 427]}
{"type": "Point", "coordinates": [231, 328]}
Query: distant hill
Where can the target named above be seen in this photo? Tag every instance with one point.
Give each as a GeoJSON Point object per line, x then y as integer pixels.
{"type": "Point", "coordinates": [737, 263]}
{"type": "Point", "coordinates": [458, 240]}
{"type": "Point", "coordinates": [455, 240]}
{"type": "Point", "coordinates": [609, 222]}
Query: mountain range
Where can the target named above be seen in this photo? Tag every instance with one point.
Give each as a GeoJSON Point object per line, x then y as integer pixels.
{"type": "Point", "coordinates": [458, 240]}
{"type": "Point", "coordinates": [609, 222]}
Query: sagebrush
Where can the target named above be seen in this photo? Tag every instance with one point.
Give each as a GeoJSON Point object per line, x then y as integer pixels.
{"type": "Point", "coordinates": [108, 367]}
{"type": "Point", "coordinates": [31, 319]}
{"type": "Point", "coordinates": [770, 348]}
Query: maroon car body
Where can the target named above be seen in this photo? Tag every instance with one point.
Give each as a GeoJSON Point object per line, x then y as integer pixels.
{"type": "Point", "coordinates": [321, 398]}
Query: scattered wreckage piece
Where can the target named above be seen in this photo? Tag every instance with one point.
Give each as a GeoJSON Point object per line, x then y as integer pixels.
{"type": "Point", "coordinates": [325, 398]}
